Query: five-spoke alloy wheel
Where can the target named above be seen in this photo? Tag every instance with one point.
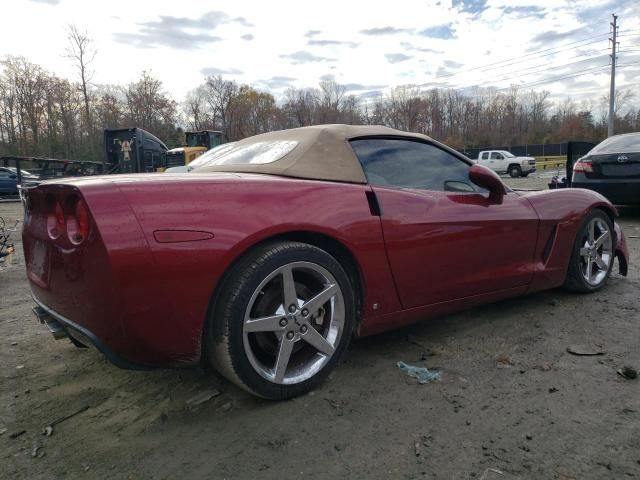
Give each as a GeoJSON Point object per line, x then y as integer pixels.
{"type": "Point", "coordinates": [596, 253]}
{"type": "Point", "coordinates": [288, 333]}
{"type": "Point", "coordinates": [283, 318]}
{"type": "Point", "coordinates": [593, 254]}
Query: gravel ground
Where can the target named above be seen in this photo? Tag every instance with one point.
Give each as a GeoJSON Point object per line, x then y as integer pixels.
{"type": "Point", "coordinates": [512, 402]}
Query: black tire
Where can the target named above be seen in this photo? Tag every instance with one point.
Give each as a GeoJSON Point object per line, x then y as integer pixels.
{"type": "Point", "coordinates": [514, 171]}
{"type": "Point", "coordinates": [575, 280]}
{"type": "Point", "coordinates": [225, 336]}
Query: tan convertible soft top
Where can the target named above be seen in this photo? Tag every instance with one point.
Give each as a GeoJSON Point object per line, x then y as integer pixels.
{"type": "Point", "coordinates": [323, 152]}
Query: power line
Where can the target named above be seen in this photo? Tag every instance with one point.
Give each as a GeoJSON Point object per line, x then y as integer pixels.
{"type": "Point", "coordinates": [549, 49]}
{"type": "Point", "coordinates": [529, 71]}
{"type": "Point", "coordinates": [547, 66]}
{"type": "Point", "coordinates": [505, 76]}
{"type": "Point", "coordinates": [630, 85]}
{"type": "Point", "coordinates": [542, 82]}
{"type": "Point", "coordinates": [537, 54]}
{"type": "Point", "coordinates": [485, 69]}
{"type": "Point", "coordinates": [555, 79]}
{"type": "Point", "coordinates": [542, 56]}
{"type": "Point", "coordinates": [522, 61]}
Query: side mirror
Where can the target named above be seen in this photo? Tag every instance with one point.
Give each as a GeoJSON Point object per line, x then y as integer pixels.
{"type": "Point", "coordinates": [486, 178]}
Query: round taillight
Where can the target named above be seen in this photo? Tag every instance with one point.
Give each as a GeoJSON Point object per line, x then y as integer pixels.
{"type": "Point", "coordinates": [77, 221]}
{"type": "Point", "coordinates": [55, 218]}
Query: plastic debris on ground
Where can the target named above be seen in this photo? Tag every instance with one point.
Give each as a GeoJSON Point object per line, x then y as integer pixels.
{"type": "Point", "coordinates": [422, 374]}
{"type": "Point", "coordinates": [586, 350]}
{"type": "Point", "coordinates": [628, 372]}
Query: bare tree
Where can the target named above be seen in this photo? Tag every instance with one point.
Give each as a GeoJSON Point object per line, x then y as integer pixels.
{"type": "Point", "coordinates": [220, 94]}
{"type": "Point", "coordinates": [110, 106]}
{"type": "Point", "coordinates": [30, 82]}
{"type": "Point", "coordinates": [81, 51]}
{"type": "Point", "coordinates": [195, 109]}
{"type": "Point", "coordinates": [331, 101]}
{"type": "Point", "coordinates": [300, 106]}
{"type": "Point", "coordinates": [150, 108]}
{"type": "Point", "coordinates": [404, 104]}
{"type": "Point", "coordinates": [41, 113]}
{"type": "Point", "coordinates": [623, 99]}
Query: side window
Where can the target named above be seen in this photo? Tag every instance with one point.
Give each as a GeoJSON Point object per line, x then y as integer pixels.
{"type": "Point", "coordinates": [485, 155]}
{"type": "Point", "coordinates": [496, 156]}
{"type": "Point", "coordinates": [411, 164]}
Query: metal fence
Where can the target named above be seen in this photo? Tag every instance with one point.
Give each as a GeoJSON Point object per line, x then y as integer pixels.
{"type": "Point", "coordinates": [18, 172]}
{"type": "Point", "coordinates": [46, 168]}
{"type": "Point", "coordinates": [540, 150]}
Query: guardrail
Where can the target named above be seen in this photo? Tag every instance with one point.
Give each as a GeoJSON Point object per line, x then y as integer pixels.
{"type": "Point", "coordinates": [551, 162]}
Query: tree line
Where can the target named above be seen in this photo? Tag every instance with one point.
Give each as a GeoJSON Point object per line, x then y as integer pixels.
{"type": "Point", "coordinates": [42, 114]}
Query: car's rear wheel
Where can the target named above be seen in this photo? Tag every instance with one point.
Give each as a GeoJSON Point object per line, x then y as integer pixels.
{"type": "Point", "coordinates": [282, 319]}
{"type": "Point", "coordinates": [514, 171]}
{"type": "Point", "coordinates": [593, 254]}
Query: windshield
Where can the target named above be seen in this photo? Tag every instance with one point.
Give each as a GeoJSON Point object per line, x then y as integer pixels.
{"type": "Point", "coordinates": [252, 153]}
{"type": "Point", "coordinates": [629, 143]}
{"type": "Point", "coordinates": [22, 171]}
{"type": "Point", "coordinates": [198, 140]}
{"type": "Point", "coordinates": [508, 154]}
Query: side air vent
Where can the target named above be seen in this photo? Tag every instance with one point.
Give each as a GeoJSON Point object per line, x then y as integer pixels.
{"type": "Point", "coordinates": [374, 206]}
{"type": "Point", "coordinates": [548, 247]}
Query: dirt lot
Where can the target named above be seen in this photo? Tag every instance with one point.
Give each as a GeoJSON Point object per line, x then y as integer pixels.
{"type": "Point", "coordinates": [511, 399]}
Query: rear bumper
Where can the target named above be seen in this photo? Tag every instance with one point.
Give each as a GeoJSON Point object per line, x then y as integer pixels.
{"type": "Point", "coordinates": [617, 192]}
{"type": "Point", "coordinates": [85, 336]}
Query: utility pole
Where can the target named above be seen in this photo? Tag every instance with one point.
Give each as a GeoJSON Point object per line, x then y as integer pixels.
{"type": "Point", "coordinates": [612, 89]}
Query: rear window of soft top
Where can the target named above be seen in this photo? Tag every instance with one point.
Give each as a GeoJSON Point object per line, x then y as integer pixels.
{"type": "Point", "coordinates": [252, 153]}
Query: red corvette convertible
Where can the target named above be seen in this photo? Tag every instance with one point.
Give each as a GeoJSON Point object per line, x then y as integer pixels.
{"type": "Point", "coordinates": [265, 261]}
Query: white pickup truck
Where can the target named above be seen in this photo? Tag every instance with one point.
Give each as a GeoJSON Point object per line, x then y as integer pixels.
{"type": "Point", "coordinates": [501, 161]}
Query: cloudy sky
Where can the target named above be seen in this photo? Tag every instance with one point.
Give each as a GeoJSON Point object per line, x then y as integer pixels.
{"type": "Point", "coordinates": [557, 45]}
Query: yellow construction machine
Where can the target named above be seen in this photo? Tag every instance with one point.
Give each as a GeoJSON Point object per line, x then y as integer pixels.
{"type": "Point", "coordinates": [196, 144]}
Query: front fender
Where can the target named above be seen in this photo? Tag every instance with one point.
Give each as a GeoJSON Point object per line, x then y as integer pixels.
{"type": "Point", "coordinates": [622, 251]}
{"type": "Point", "coordinates": [561, 212]}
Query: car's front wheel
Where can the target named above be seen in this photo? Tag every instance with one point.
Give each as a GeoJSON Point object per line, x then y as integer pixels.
{"type": "Point", "coordinates": [593, 254]}
{"type": "Point", "coordinates": [514, 171]}
{"type": "Point", "coordinates": [282, 319]}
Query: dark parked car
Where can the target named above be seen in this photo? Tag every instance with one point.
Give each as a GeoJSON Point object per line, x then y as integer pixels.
{"type": "Point", "coordinates": [612, 168]}
{"type": "Point", "coordinates": [8, 182]}
{"type": "Point", "coordinates": [25, 174]}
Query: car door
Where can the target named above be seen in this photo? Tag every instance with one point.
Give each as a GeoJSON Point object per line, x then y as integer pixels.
{"type": "Point", "coordinates": [7, 182]}
{"type": "Point", "coordinates": [497, 162]}
{"type": "Point", "coordinates": [445, 238]}
{"type": "Point", "coordinates": [484, 159]}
